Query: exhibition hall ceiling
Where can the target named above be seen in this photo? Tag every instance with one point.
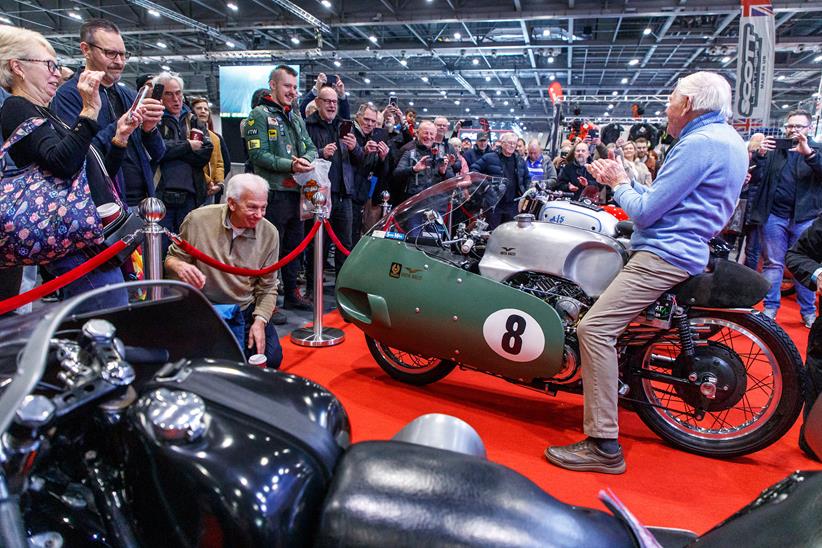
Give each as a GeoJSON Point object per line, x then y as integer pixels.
{"type": "Point", "coordinates": [493, 58]}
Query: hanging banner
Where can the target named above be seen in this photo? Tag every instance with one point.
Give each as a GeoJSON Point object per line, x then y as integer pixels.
{"type": "Point", "coordinates": [754, 66]}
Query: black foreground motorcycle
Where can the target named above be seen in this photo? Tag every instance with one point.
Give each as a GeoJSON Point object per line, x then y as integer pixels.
{"type": "Point", "coordinates": [142, 426]}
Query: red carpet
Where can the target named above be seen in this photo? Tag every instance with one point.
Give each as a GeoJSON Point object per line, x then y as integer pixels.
{"type": "Point", "coordinates": [662, 486]}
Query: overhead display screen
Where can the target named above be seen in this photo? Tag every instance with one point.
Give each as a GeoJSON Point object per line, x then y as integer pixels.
{"type": "Point", "coordinates": [239, 82]}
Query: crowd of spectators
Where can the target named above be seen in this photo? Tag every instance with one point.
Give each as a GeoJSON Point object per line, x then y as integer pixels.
{"type": "Point", "coordinates": [169, 149]}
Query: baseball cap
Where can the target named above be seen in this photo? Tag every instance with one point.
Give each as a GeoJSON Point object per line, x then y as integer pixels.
{"type": "Point", "coordinates": [482, 136]}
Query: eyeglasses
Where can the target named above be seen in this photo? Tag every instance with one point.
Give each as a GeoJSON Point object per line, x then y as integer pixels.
{"type": "Point", "coordinates": [330, 101]}
{"type": "Point", "coordinates": [369, 120]}
{"type": "Point", "coordinates": [111, 53]}
{"type": "Point", "coordinates": [794, 126]}
{"type": "Point", "coordinates": [53, 66]}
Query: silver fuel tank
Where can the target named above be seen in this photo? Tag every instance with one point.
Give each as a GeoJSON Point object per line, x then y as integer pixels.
{"type": "Point", "coordinates": [586, 258]}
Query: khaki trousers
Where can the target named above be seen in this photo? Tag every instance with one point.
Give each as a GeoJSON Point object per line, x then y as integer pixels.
{"type": "Point", "coordinates": [641, 282]}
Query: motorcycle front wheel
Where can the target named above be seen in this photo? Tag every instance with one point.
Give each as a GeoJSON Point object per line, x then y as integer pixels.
{"type": "Point", "coordinates": [755, 368]}
{"type": "Point", "coordinates": [408, 367]}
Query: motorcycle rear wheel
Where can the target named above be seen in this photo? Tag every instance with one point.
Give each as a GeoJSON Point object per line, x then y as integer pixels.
{"type": "Point", "coordinates": [408, 367]}
{"type": "Point", "coordinates": [759, 396]}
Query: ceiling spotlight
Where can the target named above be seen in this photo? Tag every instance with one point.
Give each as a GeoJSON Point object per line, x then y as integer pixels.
{"type": "Point", "coordinates": [727, 59]}
{"type": "Point", "coordinates": [785, 106]}
{"type": "Point", "coordinates": [457, 102]}
{"type": "Point", "coordinates": [404, 62]}
{"type": "Point", "coordinates": [657, 113]}
{"type": "Point", "coordinates": [818, 58]}
{"type": "Point", "coordinates": [326, 4]}
{"type": "Point", "coordinates": [166, 68]}
{"type": "Point", "coordinates": [475, 61]}
{"type": "Point", "coordinates": [552, 77]}
{"type": "Point", "coordinates": [373, 39]}
{"type": "Point", "coordinates": [295, 40]}
{"type": "Point", "coordinates": [367, 80]}
{"type": "Point", "coordinates": [337, 63]}
{"type": "Point", "coordinates": [75, 15]}
{"type": "Point", "coordinates": [505, 103]}
{"type": "Point", "coordinates": [424, 79]}
{"type": "Point", "coordinates": [623, 81]}
{"type": "Point", "coordinates": [610, 106]}
{"type": "Point", "coordinates": [499, 92]}
{"type": "Point", "coordinates": [633, 62]}
{"type": "Point", "coordinates": [510, 110]}
{"type": "Point", "coordinates": [232, 6]}
{"type": "Point", "coordinates": [443, 92]}
{"type": "Point", "coordinates": [487, 78]}
{"type": "Point", "coordinates": [155, 13]}
{"type": "Point", "coordinates": [425, 109]}
{"type": "Point", "coordinates": [647, 31]}
{"type": "Point", "coordinates": [457, 36]}
{"type": "Point", "coordinates": [162, 45]}
{"type": "Point", "coordinates": [780, 77]}
{"type": "Point", "coordinates": [468, 110]}
{"type": "Point", "coordinates": [410, 103]}
{"type": "Point", "coordinates": [551, 59]}
{"type": "Point", "coordinates": [607, 113]}
{"type": "Point", "coordinates": [614, 93]}
{"type": "Point", "coordinates": [546, 32]}
{"type": "Point", "coordinates": [229, 43]}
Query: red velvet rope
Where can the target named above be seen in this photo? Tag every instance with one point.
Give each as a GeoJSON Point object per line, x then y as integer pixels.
{"type": "Point", "coordinates": [62, 280]}
{"type": "Point", "coordinates": [212, 262]}
{"type": "Point", "coordinates": [334, 238]}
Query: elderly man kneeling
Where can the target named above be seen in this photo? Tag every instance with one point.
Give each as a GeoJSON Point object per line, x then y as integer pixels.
{"type": "Point", "coordinates": [235, 233]}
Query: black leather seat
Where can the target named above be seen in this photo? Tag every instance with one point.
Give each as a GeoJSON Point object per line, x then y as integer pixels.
{"type": "Point", "coordinates": [394, 494]}
{"type": "Point", "coordinates": [729, 285]}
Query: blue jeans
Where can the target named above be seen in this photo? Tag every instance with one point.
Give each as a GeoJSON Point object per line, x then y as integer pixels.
{"type": "Point", "coordinates": [778, 235]}
{"type": "Point", "coordinates": [753, 246]}
{"type": "Point", "coordinates": [273, 349]}
{"type": "Point", "coordinates": [100, 277]}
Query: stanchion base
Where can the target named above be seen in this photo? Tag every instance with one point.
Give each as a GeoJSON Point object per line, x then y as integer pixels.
{"type": "Point", "coordinates": [305, 336]}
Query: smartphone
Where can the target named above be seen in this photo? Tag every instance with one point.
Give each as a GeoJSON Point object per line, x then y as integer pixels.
{"type": "Point", "coordinates": [345, 128]}
{"type": "Point", "coordinates": [784, 144]}
{"type": "Point", "coordinates": [157, 92]}
{"type": "Point", "coordinates": [392, 100]}
{"type": "Point", "coordinates": [466, 123]}
{"type": "Point", "coordinates": [378, 134]}
{"type": "Point", "coordinates": [331, 80]}
{"type": "Point", "coordinates": [138, 101]}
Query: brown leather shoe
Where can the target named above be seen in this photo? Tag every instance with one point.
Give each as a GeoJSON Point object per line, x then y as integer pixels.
{"type": "Point", "coordinates": [585, 456]}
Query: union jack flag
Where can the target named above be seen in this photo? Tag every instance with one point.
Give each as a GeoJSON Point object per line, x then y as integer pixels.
{"type": "Point", "coordinates": [756, 8]}
{"type": "Point", "coordinates": [745, 125]}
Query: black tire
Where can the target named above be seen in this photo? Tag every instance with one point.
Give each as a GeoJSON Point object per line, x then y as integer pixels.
{"type": "Point", "coordinates": [762, 404]}
{"type": "Point", "coordinates": [407, 367]}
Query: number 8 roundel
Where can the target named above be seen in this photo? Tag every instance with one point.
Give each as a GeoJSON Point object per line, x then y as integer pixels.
{"type": "Point", "coordinates": [513, 334]}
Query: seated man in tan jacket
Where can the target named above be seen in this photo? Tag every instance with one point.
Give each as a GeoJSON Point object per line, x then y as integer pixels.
{"type": "Point", "coordinates": [235, 233]}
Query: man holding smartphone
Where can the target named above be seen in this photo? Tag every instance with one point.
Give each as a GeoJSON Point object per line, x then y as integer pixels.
{"type": "Point", "coordinates": [104, 50]}
{"type": "Point", "coordinates": [374, 165]}
{"type": "Point", "coordinates": [335, 142]}
{"type": "Point", "coordinates": [788, 199]}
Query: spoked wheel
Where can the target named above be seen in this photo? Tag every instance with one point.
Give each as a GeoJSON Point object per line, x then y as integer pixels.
{"type": "Point", "coordinates": [742, 391]}
{"type": "Point", "coordinates": [407, 367]}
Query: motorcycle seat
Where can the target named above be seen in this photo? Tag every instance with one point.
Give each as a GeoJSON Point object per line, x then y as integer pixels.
{"type": "Point", "coordinates": [389, 493]}
{"type": "Point", "coordinates": [729, 285]}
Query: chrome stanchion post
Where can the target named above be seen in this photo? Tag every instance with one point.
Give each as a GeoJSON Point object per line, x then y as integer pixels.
{"type": "Point", "coordinates": [317, 335]}
{"type": "Point", "coordinates": [386, 207]}
{"type": "Point", "coordinates": [153, 210]}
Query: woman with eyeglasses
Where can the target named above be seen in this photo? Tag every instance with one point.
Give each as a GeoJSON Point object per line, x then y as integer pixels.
{"type": "Point", "coordinates": [30, 72]}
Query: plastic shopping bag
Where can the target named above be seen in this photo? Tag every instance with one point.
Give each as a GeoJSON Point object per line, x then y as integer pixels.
{"type": "Point", "coordinates": [318, 177]}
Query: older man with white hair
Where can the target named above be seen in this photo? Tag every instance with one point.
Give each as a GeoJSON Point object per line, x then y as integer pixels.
{"type": "Point", "coordinates": [689, 202]}
{"type": "Point", "coordinates": [235, 233]}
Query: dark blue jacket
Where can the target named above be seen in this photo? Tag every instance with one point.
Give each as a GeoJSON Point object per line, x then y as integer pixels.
{"type": "Point", "coordinates": [765, 180]}
{"type": "Point", "coordinates": [491, 164]}
{"type": "Point", "coordinates": [343, 112]}
{"type": "Point", "coordinates": [148, 147]}
{"type": "Point", "coordinates": [323, 134]}
{"type": "Point", "coordinates": [182, 167]}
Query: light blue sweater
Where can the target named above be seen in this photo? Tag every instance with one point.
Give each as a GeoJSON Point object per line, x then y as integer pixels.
{"type": "Point", "coordinates": [693, 195]}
